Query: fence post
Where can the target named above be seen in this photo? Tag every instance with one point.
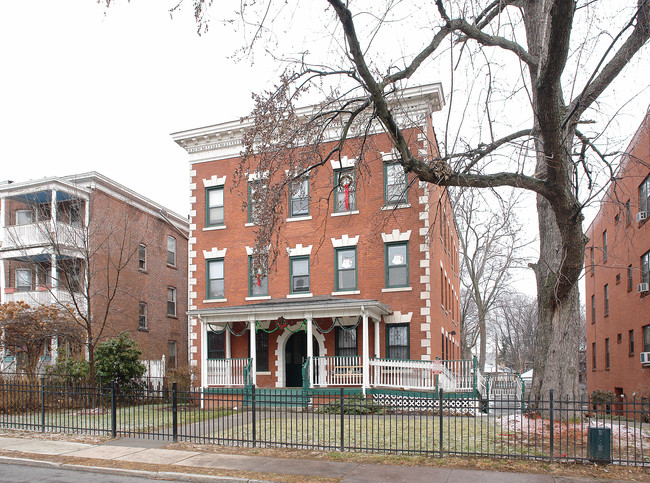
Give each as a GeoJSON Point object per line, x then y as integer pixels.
{"type": "Point", "coordinates": [342, 408]}
{"type": "Point", "coordinates": [42, 404]}
{"type": "Point", "coordinates": [440, 422]}
{"type": "Point", "coordinates": [174, 413]}
{"type": "Point", "coordinates": [113, 410]}
{"type": "Point", "coordinates": [551, 428]}
{"type": "Point", "coordinates": [254, 417]}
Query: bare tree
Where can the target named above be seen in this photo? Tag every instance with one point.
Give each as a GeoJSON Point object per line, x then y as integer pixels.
{"type": "Point", "coordinates": [515, 323]}
{"type": "Point", "coordinates": [490, 240]}
{"type": "Point", "coordinates": [91, 258]}
{"type": "Point", "coordinates": [555, 54]}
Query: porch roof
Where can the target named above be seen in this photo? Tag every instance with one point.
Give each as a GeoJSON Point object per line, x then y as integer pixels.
{"type": "Point", "coordinates": [295, 308]}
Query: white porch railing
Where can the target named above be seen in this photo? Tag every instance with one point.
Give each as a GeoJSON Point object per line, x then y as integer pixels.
{"type": "Point", "coordinates": [44, 297]}
{"type": "Point", "coordinates": [460, 374]}
{"type": "Point", "coordinates": [505, 385]}
{"type": "Point", "coordinates": [227, 372]}
{"type": "Point", "coordinates": [33, 234]}
{"type": "Point", "coordinates": [154, 374]}
{"type": "Point", "coordinates": [406, 374]}
{"type": "Point", "coordinates": [337, 371]}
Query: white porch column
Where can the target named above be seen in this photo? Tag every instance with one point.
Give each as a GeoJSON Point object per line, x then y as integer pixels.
{"type": "Point", "coordinates": [53, 270]}
{"type": "Point", "coordinates": [3, 221]}
{"type": "Point", "coordinates": [228, 350]}
{"type": "Point", "coordinates": [310, 348]}
{"type": "Point", "coordinates": [252, 330]}
{"type": "Point", "coordinates": [2, 280]}
{"type": "Point", "coordinates": [204, 354]}
{"type": "Point", "coordinates": [55, 349]}
{"type": "Point", "coordinates": [366, 353]}
{"type": "Point", "coordinates": [377, 339]}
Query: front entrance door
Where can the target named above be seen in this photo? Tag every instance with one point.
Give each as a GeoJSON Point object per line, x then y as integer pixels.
{"type": "Point", "coordinates": [295, 354]}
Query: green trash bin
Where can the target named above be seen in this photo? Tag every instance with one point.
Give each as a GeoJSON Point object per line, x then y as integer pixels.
{"type": "Point", "coordinates": [600, 444]}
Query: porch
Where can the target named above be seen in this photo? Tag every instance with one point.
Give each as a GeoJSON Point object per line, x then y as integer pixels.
{"type": "Point", "coordinates": [452, 376]}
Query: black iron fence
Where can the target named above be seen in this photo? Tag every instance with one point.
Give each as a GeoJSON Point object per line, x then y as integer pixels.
{"type": "Point", "coordinates": [435, 424]}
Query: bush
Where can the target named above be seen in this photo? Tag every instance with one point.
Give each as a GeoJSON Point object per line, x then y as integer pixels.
{"type": "Point", "coordinates": [602, 397]}
{"type": "Point", "coordinates": [184, 377]}
{"type": "Point", "coordinates": [352, 405]}
{"type": "Point", "coordinates": [118, 359]}
{"type": "Point", "coordinates": [68, 370]}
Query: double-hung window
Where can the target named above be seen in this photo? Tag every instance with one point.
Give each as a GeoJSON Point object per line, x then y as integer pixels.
{"type": "Point", "coordinates": [24, 217]}
{"type": "Point", "coordinates": [171, 251]}
{"type": "Point", "coordinates": [397, 341]}
{"type": "Point", "coordinates": [629, 278]}
{"type": "Point", "coordinates": [397, 272]}
{"type": "Point", "coordinates": [346, 342]}
{"type": "Point", "coordinates": [214, 206]}
{"type": "Point", "coordinates": [255, 194]}
{"type": "Point", "coordinates": [171, 301]}
{"type": "Point", "coordinates": [142, 316]}
{"type": "Point", "coordinates": [216, 282]}
{"type": "Point", "coordinates": [299, 274]}
{"type": "Point", "coordinates": [631, 343]}
{"type": "Point", "coordinates": [217, 345]}
{"type": "Point", "coordinates": [605, 246]}
{"type": "Point", "coordinates": [142, 256]}
{"type": "Point", "coordinates": [644, 195]}
{"type": "Point", "coordinates": [646, 338]}
{"type": "Point", "coordinates": [606, 300]}
{"type": "Point", "coordinates": [346, 269]}
{"type": "Point", "coordinates": [345, 193]}
{"type": "Point", "coordinates": [607, 353]}
{"type": "Point", "coordinates": [23, 279]}
{"type": "Point", "coordinates": [258, 280]}
{"type": "Point", "coordinates": [299, 198]}
{"type": "Point", "coordinates": [645, 267]}
{"type": "Point", "coordinates": [395, 184]}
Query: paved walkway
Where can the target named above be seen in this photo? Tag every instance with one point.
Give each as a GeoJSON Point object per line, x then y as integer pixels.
{"type": "Point", "coordinates": [145, 451]}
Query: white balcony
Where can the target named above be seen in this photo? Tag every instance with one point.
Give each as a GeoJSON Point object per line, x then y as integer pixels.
{"type": "Point", "coordinates": [43, 297]}
{"type": "Point", "coordinates": [39, 234]}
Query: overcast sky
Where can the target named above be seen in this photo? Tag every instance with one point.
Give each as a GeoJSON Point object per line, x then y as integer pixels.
{"type": "Point", "coordinates": [88, 89]}
{"type": "Point", "coordinates": [84, 89]}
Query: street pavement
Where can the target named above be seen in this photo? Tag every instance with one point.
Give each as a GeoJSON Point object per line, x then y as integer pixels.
{"type": "Point", "coordinates": [150, 452]}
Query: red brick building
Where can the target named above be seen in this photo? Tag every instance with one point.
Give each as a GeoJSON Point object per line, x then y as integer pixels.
{"type": "Point", "coordinates": [367, 274]}
{"type": "Point", "coordinates": [617, 278]}
{"type": "Point", "coordinates": [71, 239]}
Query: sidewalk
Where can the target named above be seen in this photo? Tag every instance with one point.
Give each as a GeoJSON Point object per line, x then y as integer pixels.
{"type": "Point", "coordinates": [146, 452]}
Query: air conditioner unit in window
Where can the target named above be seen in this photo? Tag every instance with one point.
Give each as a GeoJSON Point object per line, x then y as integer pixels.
{"type": "Point", "coordinates": [643, 287]}
{"type": "Point", "coordinates": [645, 359]}
{"type": "Point", "coordinates": [641, 215]}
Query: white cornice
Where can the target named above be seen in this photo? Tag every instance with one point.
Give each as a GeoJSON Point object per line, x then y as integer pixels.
{"type": "Point", "coordinates": [224, 141]}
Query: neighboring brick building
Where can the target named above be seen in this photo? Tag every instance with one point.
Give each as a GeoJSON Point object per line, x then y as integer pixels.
{"type": "Point", "coordinates": [53, 229]}
{"type": "Point", "coordinates": [617, 277]}
{"type": "Point", "coordinates": [381, 250]}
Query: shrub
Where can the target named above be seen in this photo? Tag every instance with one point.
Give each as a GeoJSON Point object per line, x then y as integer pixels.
{"type": "Point", "coordinates": [118, 359]}
{"type": "Point", "coordinates": [68, 370]}
{"type": "Point", "coordinates": [352, 405]}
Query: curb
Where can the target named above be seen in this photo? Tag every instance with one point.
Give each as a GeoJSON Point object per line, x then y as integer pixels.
{"type": "Point", "coordinates": [156, 475]}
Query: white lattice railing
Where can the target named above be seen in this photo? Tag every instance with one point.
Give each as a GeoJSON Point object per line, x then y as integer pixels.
{"type": "Point", "coordinates": [337, 371]}
{"type": "Point", "coordinates": [227, 372]}
{"type": "Point", "coordinates": [21, 236]}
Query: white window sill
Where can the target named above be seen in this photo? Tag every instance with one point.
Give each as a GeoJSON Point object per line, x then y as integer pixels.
{"type": "Point", "coordinates": [265, 373]}
{"type": "Point", "coordinates": [347, 292]}
{"type": "Point", "coordinates": [214, 301]}
{"type": "Point", "coordinates": [398, 206]}
{"type": "Point", "coordinates": [299, 295]}
{"type": "Point", "coordinates": [397, 289]}
{"type": "Point", "coordinates": [212, 228]}
{"type": "Point", "coordinates": [259, 297]}
{"type": "Point", "coordinates": [249, 224]}
{"type": "Point", "coordinates": [298, 218]}
{"type": "Point", "coordinates": [345, 213]}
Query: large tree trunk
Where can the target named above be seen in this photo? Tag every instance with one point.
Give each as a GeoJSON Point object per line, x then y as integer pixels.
{"type": "Point", "coordinates": [482, 340]}
{"type": "Point", "coordinates": [558, 330]}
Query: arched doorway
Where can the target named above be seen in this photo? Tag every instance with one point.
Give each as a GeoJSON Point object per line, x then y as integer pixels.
{"type": "Point", "coordinates": [295, 354]}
